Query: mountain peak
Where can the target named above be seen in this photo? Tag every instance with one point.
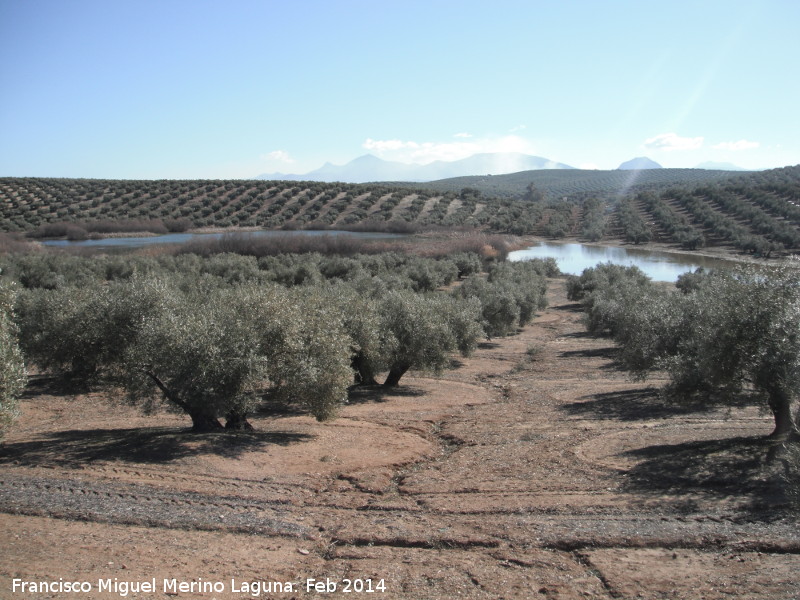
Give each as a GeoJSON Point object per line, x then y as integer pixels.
{"type": "Point", "coordinates": [639, 163]}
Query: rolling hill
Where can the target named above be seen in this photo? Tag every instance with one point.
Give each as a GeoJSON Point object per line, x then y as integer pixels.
{"type": "Point", "coordinates": [753, 212]}
{"type": "Point", "coordinates": [577, 184]}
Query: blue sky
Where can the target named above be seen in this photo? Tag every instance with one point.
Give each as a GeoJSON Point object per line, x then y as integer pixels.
{"type": "Point", "coordinates": [213, 89]}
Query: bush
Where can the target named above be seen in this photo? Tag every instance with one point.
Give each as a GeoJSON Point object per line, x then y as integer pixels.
{"type": "Point", "coordinates": [179, 225]}
{"type": "Point", "coordinates": [602, 277]}
{"type": "Point", "coordinates": [691, 280]}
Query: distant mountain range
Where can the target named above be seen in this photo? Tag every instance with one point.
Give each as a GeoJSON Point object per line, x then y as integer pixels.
{"type": "Point", "coordinates": [719, 166]}
{"type": "Point", "coordinates": [369, 168]}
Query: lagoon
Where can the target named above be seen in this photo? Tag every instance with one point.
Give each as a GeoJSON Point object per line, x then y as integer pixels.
{"type": "Point", "coordinates": [572, 258]}
{"type": "Point", "coordinates": [659, 266]}
{"type": "Point", "coordinates": [131, 243]}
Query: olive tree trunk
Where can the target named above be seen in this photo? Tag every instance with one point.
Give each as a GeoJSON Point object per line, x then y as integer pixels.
{"type": "Point", "coordinates": [202, 420]}
{"type": "Point", "coordinates": [395, 373]}
{"type": "Point", "coordinates": [780, 403]}
{"type": "Point", "coordinates": [364, 375]}
{"type": "Point", "coordinates": [235, 421]}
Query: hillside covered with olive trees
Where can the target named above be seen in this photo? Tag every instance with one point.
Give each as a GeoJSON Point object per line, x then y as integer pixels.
{"type": "Point", "coordinates": [756, 213]}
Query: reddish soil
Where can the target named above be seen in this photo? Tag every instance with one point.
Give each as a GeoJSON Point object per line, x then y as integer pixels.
{"type": "Point", "coordinates": [512, 476]}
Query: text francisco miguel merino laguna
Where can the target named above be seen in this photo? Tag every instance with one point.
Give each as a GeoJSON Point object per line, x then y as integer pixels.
{"type": "Point", "coordinates": [174, 586]}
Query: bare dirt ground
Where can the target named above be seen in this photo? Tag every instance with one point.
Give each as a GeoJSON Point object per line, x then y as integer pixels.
{"type": "Point", "coordinates": [509, 477]}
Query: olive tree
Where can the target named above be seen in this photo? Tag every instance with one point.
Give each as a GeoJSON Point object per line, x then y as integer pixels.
{"type": "Point", "coordinates": [741, 332]}
{"type": "Point", "coordinates": [730, 334]}
{"type": "Point", "coordinates": [81, 331]}
{"type": "Point", "coordinates": [509, 296]}
{"type": "Point", "coordinates": [12, 367]}
{"type": "Point", "coordinates": [500, 313]}
{"type": "Point", "coordinates": [202, 360]}
{"type": "Point", "coordinates": [371, 344]}
{"type": "Point", "coordinates": [214, 354]}
{"type": "Point", "coordinates": [427, 330]}
{"type": "Point", "coordinates": [312, 364]}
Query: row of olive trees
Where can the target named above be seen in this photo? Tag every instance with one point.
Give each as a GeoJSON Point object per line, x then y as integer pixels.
{"type": "Point", "coordinates": [593, 226]}
{"type": "Point", "coordinates": [676, 225]}
{"type": "Point", "coordinates": [214, 352]}
{"type": "Point", "coordinates": [633, 226]}
{"type": "Point", "coordinates": [51, 270]}
{"type": "Point", "coordinates": [208, 351]}
{"type": "Point", "coordinates": [215, 347]}
{"type": "Point", "coordinates": [728, 335]}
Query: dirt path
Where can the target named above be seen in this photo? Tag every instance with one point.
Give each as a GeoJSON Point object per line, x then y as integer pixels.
{"type": "Point", "coordinates": [533, 469]}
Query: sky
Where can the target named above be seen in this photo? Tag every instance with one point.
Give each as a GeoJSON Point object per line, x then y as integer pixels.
{"type": "Point", "coordinates": [201, 89]}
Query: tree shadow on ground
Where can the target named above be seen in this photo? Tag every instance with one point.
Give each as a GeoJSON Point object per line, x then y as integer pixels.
{"type": "Point", "coordinates": [362, 394]}
{"type": "Point", "coordinates": [608, 352]}
{"type": "Point", "coordinates": [488, 345]}
{"type": "Point", "coordinates": [150, 445]}
{"type": "Point", "coordinates": [738, 468]}
{"type": "Point", "coordinates": [572, 307]}
{"type": "Point", "coordinates": [639, 404]}
{"type": "Point", "coordinates": [54, 385]}
{"type": "Point", "coordinates": [583, 335]}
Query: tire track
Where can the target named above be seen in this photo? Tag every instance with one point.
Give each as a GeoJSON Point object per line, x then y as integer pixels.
{"type": "Point", "coordinates": [143, 505]}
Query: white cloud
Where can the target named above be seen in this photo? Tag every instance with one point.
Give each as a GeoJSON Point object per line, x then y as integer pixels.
{"type": "Point", "coordinates": [279, 156]}
{"type": "Point", "coordinates": [672, 141]}
{"type": "Point", "coordinates": [588, 166]}
{"type": "Point", "coordinates": [463, 135]}
{"type": "Point", "coordinates": [735, 146]}
{"type": "Point", "coordinates": [426, 152]}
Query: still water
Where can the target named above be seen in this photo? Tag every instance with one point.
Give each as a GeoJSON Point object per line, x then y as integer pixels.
{"type": "Point", "coordinates": [130, 243]}
{"type": "Point", "coordinates": [659, 266]}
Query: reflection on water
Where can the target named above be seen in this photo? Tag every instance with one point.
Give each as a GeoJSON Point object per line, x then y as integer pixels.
{"type": "Point", "coordinates": [180, 238]}
{"type": "Point", "coordinates": [659, 266]}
